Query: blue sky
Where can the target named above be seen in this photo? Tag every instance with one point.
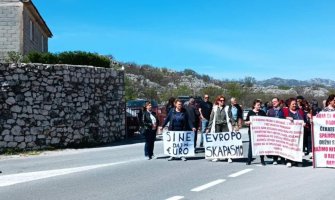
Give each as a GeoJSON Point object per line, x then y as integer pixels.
{"type": "Point", "coordinates": [226, 39]}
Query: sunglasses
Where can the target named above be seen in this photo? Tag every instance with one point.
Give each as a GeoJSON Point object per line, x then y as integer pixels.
{"type": "Point", "coordinates": [221, 100]}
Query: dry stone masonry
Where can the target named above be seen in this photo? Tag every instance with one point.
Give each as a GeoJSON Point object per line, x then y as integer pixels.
{"type": "Point", "coordinates": [44, 106]}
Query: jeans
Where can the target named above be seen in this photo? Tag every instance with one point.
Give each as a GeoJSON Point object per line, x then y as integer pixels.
{"type": "Point", "coordinates": [204, 124]}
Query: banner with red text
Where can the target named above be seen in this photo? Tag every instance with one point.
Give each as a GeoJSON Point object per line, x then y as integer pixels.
{"type": "Point", "coordinates": [324, 139]}
{"type": "Point", "coordinates": [278, 137]}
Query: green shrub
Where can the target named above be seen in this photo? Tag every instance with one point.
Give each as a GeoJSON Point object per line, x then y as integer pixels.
{"type": "Point", "coordinates": [46, 58]}
{"type": "Point", "coordinates": [70, 57]}
{"type": "Point", "coordinates": [13, 57]}
{"type": "Point", "coordinates": [83, 58]}
{"type": "Point", "coordinates": [284, 87]}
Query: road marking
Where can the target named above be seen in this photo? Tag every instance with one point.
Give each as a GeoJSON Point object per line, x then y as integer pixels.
{"type": "Point", "coordinates": [175, 198]}
{"type": "Point", "coordinates": [13, 179]}
{"type": "Point", "coordinates": [240, 173]}
{"type": "Point", "coordinates": [208, 185]}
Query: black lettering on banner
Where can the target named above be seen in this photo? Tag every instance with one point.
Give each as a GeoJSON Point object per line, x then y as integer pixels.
{"type": "Point", "coordinates": [208, 138]}
{"type": "Point", "coordinates": [188, 136]}
{"type": "Point", "coordinates": [181, 137]}
{"type": "Point", "coordinates": [209, 152]}
{"type": "Point", "coordinates": [169, 136]}
{"type": "Point", "coordinates": [224, 151]}
{"type": "Point", "coordinates": [180, 151]}
{"type": "Point", "coordinates": [226, 136]}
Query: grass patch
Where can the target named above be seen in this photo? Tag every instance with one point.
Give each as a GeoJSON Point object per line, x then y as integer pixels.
{"type": "Point", "coordinates": [20, 152]}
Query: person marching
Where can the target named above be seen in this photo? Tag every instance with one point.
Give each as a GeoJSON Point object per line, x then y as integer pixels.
{"type": "Point", "coordinates": [330, 104]}
{"type": "Point", "coordinates": [178, 121]}
{"type": "Point", "coordinates": [235, 115]}
{"type": "Point", "coordinates": [205, 112]}
{"type": "Point", "coordinates": [150, 124]}
{"type": "Point", "coordinates": [256, 111]}
{"type": "Point", "coordinates": [276, 111]}
{"type": "Point", "coordinates": [293, 112]}
{"type": "Point", "coordinates": [218, 119]}
{"type": "Point", "coordinates": [193, 115]}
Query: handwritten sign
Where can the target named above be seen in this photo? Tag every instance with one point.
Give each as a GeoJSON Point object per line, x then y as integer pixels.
{"type": "Point", "coordinates": [223, 145]}
{"type": "Point", "coordinates": [178, 143]}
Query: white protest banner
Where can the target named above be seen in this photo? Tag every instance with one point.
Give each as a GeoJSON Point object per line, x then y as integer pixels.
{"type": "Point", "coordinates": [279, 137]}
{"type": "Point", "coordinates": [324, 139]}
{"type": "Point", "coordinates": [178, 143]}
{"type": "Point", "coordinates": [223, 145]}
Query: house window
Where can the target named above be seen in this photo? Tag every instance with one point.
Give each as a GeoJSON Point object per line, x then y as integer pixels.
{"type": "Point", "coordinates": [31, 30]}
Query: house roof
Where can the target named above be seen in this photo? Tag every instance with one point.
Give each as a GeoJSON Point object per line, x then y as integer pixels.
{"type": "Point", "coordinates": [39, 19]}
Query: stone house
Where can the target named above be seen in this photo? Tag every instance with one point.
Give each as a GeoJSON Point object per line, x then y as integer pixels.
{"type": "Point", "coordinates": [22, 28]}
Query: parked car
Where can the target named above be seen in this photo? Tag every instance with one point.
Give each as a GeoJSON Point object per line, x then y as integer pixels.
{"type": "Point", "coordinates": [134, 114]}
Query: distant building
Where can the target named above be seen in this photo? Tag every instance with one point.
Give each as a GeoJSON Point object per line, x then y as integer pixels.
{"type": "Point", "coordinates": [22, 28]}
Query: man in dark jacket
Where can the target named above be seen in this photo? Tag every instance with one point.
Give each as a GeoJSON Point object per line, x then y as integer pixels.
{"type": "Point", "coordinates": [193, 116]}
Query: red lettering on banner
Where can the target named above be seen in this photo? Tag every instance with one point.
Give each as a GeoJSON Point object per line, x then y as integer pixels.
{"type": "Point", "coordinates": [330, 162]}
{"type": "Point", "coordinates": [330, 122]}
{"type": "Point", "coordinates": [321, 115]}
{"type": "Point", "coordinates": [320, 148]}
{"type": "Point", "coordinates": [331, 156]}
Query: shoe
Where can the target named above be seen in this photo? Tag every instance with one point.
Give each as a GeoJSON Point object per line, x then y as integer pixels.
{"type": "Point", "coordinates": [183, 159]}
{"type": "Point", "coordinates": [263, 163]}
{"type": "Point", "coordinates": [300, 165]}
{"type": "Point", "coordinates": [288, 164]}
{"type": "Point", "coordinates": [149, 158]}
{"type": "Point", "coordinates": [201, 145]}
{"type": "Point", "coordinates": [248, 163]}
{"type": "Point", "coordinates": [275, 163]}
{"type": "Point", "coordinates": [230, 160]}
{"type": "Point", "coordinates": [215, 160]}
{"type": "Point", "coordinates": [171, 158]}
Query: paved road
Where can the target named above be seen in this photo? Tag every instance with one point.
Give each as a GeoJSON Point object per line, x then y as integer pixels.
{"type": "Point", "coordinates": [121, 172]}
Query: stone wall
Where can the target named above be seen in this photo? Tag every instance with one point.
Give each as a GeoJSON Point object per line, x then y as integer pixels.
{"type": "Point", "coordinates": [45, 106]}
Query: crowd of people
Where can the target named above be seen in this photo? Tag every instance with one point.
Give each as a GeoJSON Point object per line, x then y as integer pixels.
{"type": "Point", "coordinates": [221, 117]}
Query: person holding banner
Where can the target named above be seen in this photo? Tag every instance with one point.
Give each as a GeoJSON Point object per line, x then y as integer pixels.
{"type": "Point", "coordinates": [218, 119]}
{"type": "Point", "coordinates": [256, 111]}
{"type": "Point", "coordinates": [178, 121]}
{"type": "Point", "coordinates": [330, 103]}
{"type": "Point", "coordinates": [276, 111]}
{"type": "Point", "coordinates": [150, 124]}
{"type": "Point", "coordinates": [293, 113]}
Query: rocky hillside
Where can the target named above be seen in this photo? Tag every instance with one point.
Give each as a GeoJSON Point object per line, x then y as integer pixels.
{"type": "Point", "coordinates": [150, 82]}
{"type": "Point", "coordinates": [293, 82]}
